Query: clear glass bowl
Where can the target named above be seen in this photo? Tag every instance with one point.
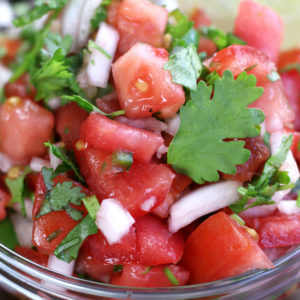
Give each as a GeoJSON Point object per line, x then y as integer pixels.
{"type": "Point", "coordinates": [22, 277]}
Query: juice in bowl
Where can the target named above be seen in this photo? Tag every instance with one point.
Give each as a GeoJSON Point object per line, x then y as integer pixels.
{"type": "Point", "coordinates": [150, 154]}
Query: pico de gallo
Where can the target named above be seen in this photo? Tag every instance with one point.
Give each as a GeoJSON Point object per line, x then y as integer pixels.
{"type": "Point", "coordinates": [145, 148]}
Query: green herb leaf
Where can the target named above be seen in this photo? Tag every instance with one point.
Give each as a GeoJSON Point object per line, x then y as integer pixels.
{"type": "Point", "coordinates": [198, 149]}
{"type": "Point", "coordinates": [61, 153]}
{"type": "Point", "coordinates": [17, 189]}
{"type": "Point", "coordinates": [68, 249]}
{"type": "Point", "coordinates": [89, 107]}
{"type": "Point", "coordinates": [41, 8]}
{"type": "Point", "coordinates": [8, 235]}
{"type": "Point", "coordinates": [92, 44]}
{"type": "Point", "coordinates": [92, 205]}
{"type": "Point", "coordinates": [270, 181]}
{"type": "Point", "coordinates": [267, 136]}
{"type": "Point", "coordinates": [122, 159]}
{"type": "Point", "coordinates": [100, 14]}
{"type": "Point", "coordinates": [118, 268]}
{"type": "Point", "coordinates": [221, 39]}
{"type": "Point", "coordinates": [185, 67]}
{"type": "Point", "coordinates": [52, 76]}
{"type": "Point", "coordinates": [171, 276]}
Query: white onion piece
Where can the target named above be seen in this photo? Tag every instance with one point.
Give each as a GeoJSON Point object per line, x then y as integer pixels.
{"type": "Point", "coordinates": [28, 207]}
{"type": "Point", "coordinates": [36, 164]}
{"type": "Point", "coordinates": [258, 211]}
{"type": "Point", "coordinates": [99, 66]}
{"type": "Point", "coordinates": [202, 201]}
{"type": "Point", "coordinates": [84, 27]}
{"type": "Point", "coordinates": [173, 124]}
{"type": "Point", "coordinates": [23, 228]}
{"type": "Point", "coordinates": [289, 165]}
{"type": "Point", "coordinates": [60, 266]}
{"type": "Point", "coordinates": [7, 14]}
{"type": "Point", "coordinates": [54, 103]}
{"type": "Point", "coordinates": [288, 207]}
{"type": "Point", "coordinates": [71, 20]}
{"type": "Point", "coordinates": [5, 162]}
{"type": "Point", "coordinates": [5, 75]}
{"type": "Point", "coordinates": [113, 220]}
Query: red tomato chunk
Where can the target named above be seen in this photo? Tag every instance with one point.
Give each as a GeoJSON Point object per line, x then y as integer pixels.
{"type": "Point", "coordinates": [220, 248]}
{"type": "Point", "coordinates": [143, 86]}
{"type": "Point", "coordinates": [33, 255]}
{"type": "Point", "coordinates": [24, 127]}
{"type": "Point", "coordinates": [109, 135]}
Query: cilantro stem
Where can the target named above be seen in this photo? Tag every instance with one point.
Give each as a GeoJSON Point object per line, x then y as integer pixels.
{"type": "Point", "coordinates": [171, 276]}
{"type": "Point", "coordinates": [92, 44]}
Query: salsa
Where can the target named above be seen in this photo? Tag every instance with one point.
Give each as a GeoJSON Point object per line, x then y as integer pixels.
{"type": "Point", "coordinates": [147, 148]}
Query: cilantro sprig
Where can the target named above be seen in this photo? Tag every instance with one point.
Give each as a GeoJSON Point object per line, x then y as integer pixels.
{"type": "Point", "coordinates": [100, 14]}
{"type": "Point", "coordinates": [198, 148]}
{"type": "Point", "coordinates": [270, 181]}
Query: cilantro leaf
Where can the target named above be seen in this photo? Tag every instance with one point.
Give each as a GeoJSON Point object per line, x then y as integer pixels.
{"type": "Point", "coordinates": [221, 39]}
{"type": "Point", "coordinates": [17, 189]}
{"type": "Point", "coordinates": [198, 149]}
{"type": "Point", "coordinates": [92, 205]}
{"type": "Point", "coordinates": [122, 160]}
{"type": "Point", "coordinates": [185, 67]}
{"type": "Point", "coordinates": [8, 235]}
{"type": "Point", "coordinates": [89, 107]}
{"type": "Point", "coordinates": [41, 8]}
{"type": "Point", "coordinates": [100, 14]}
{"type": "Point", "coordinates": [61, 153]}
{"type": "Point", "coordinates": [52, 77]}
{"type": "Point", "coordinates": [270, 181]}
{"type": "Point", "coordinates": [68, 249]}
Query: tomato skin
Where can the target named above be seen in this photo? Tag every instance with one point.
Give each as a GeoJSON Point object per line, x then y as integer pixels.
{"type": "Point", "coordinates": [207, 45]}
{"type": "Point", "coordinates": [140, 21]}
{"type": "Point", "coordinates": [139, 190]}
{"type": "Point", "coordinates": [33, 255]}
{"type": "Point", "coordinates": [259, 154]}
{"type": "Point", "coordinates": [20, 88]}
{"type": "Point", "coordinates": [220, 248]}
{"type": "Point", "coordinates": [287, 58]}
{"type": "Point", "coordinates": [110, 135]}
{"type": "Point", "coordinates": [68, 120]}
{"type": "Point", "coordinates": [137, 276]}
{"type": "Point", "coordinates": [24, 127]}
{"type": "Point", "coordinates": [295, 146]}
{"type": "Point", "coordinates": [277, 230]}
{"type": "Point", "coordinates": [143, 86]}
{"type": "Point", "coordinates": [4, 200]}
{"type": "Point", "coordinates": [273, 102]}
{"type": "Point", "coordinates": [199, 17]}
{"type": "Point", "coordinates": [155, 244]}
{"type": "Point", "coordinates": [260, 27]}
{"type": "Point", "coordinates": [11, 47]}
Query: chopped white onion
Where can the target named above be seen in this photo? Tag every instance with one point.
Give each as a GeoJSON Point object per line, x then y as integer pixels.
{"type": "Point", "coordinates": [54, 103]}
{"type": "Point", "coordinates": [71, 20]}
{"type": "Point", "coordinates": [173, 124]}
{"type": "Point", "coordinates": [36, 164]}
{"type": "Point", "coordinates": [99, 66]}
{"type": "Point", "coordinates": [289, 165]}
{"type": "Point", "coordinates": [258, 211]}
{"type": "Point", "coordinates": [202, 201]}
{"type": "Point", "coordinates": [5, 75]}
{"type": "Point", "coordinates": [113, 220]}
{"type": "Point", "coordinates": [60, 266]}
{"type": "Point", "coordinates": [28, 207]}
{"type": "Point", "coordinates": [288, 207]}
{"type": "Point", "coordinates": [5, 162]}
{"type": "Point", "coordinates": [148, 204]}
{"type": "Point", "coordinates": [7, 14]}
{"type": "Point", "coordinates": [23, 228]}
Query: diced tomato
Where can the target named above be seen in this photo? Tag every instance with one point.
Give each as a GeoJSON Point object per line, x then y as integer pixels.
{"type": "Point", "coordinates": [109, 135]}
{"type": "Point", "coordinates": [33, 255]}
{"type": "Point", "coordinates": [4, 199]}
{"type": "Point", "coordinates": [220, 248]}
{"type": "Point", "coordinates": [143, 86]}
{"type": "Point", "coordinates": [24, 127]}
{"type": "Point", "coordinates": [58, 223]}
{"type": "Point", "coordinates": [11, 47]}
{"type": "Point", "coordinates": [273, 103]}
{"type": "Point", "coordinates": [140, 189]}
{"type": "Point", "coordinates": [296, 145]}
{"type": "Point", "coordinates": [112, 13]}
{"type": "Point", "coordinates": [200, 18]}
{"type": "Point", "coordinates": [20, 88]}
{"type": "Point", "coordinates": [207, 45]}
{"type": "Point", "coordinates": [145, 276]}
{"type": "Point", "coordinates": [108, 103]}
{"type": "Point", "coordinates": [140, 21]}
{"type": "Point", "coordinates": [289, 57]}
{"type": "Point", "coordinates": [155, 244]}
{"type": "Point", "coordinates": [68, 120]}
{"type": "Point", "coordinates": [259, 154]}
{"type": "Point", "coordinates": [277, 230]}
{"type": "Point", "coordinates": [260, 27]}
{"type": "Point", "coordinates": [97, 249]}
